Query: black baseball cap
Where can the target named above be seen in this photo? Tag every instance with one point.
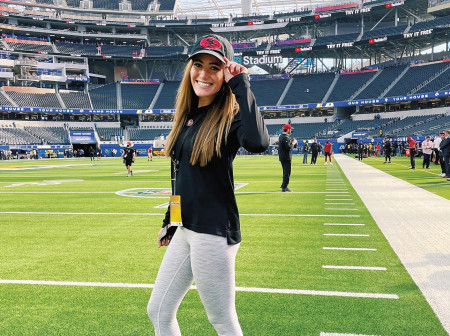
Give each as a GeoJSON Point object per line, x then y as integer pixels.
{"type": "Point", "coordinates": [215, 45]}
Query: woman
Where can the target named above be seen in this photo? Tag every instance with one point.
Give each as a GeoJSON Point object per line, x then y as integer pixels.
{"type": "Point", "coordinates": [209, 128]}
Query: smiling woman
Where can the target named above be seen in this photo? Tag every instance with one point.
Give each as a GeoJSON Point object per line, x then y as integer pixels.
{"type": "Point", "coordinates": [216, 114]}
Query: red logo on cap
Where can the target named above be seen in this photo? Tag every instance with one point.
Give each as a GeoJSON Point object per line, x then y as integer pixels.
{"type": "Point", "coordinates": [210, 43]}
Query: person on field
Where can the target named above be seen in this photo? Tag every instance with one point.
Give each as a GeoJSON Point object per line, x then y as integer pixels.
{"type": "Point", "coordinates": [285, 146]}
{"type": "Point", "coordinates": [305, 151]}
{"type": "Point", "coordinates": [314, 151]}
{"type": "Point", "coordinates": [412, 146]}
{"type": "Point", "coordinates": [216, 114]}
{"type": "Point", "coordinates": [129, 156]}
{"type": "Point", "coordinates": [387, 147]}
{"type": "Point", "coordinates": [327, 151]}
{"type": "Point", "coordinates": [150, 154]}
{"type": "Point", "coordinates": [445, 149]}
{"type": "Point", "coordinates": [427, 150]}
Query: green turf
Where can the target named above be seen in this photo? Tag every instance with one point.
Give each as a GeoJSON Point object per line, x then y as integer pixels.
{"type": "Point", "coordinates": [284, 252]}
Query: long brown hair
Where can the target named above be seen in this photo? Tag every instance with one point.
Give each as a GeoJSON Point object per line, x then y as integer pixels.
{"type": "Point", "coordinates": [214, 128]}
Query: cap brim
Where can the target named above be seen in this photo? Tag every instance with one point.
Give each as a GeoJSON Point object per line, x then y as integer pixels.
{"type": "Point", "coordinates": [209, 52]}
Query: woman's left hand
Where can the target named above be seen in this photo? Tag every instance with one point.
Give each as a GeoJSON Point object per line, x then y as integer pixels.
{"type": "Point", "coordinates": [232, 69]}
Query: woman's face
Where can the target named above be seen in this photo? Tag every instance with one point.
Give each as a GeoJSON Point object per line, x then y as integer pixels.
{"type": "Point", "coordinates": [206, 77]}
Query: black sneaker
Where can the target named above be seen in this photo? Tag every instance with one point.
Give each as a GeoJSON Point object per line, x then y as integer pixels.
{"type": "Point", "coordinates": [412, 168]}
{"type": "Point", "coordinates": [286, 190]}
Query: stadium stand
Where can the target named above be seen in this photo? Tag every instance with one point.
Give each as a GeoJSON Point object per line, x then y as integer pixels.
{"type": "Point", "coordinates": [73, 99]}
{"type": "Point", "coordinates": [76, 48]}
{"type": "Point", "coordinates": [167, 5]}
{"type": "Point", "coordinates": [142, 134]}
{"type": "Point", "coordinates": [382, 32]}
{"type": "Point", "coordinates": [308, 88]}
{"type": "Point", "coordinates": [166, 98]}
{"type": "Point", "coordinates": [381, 83]}
{"type": "Point", "coordinates": [33, 97]}
{"type": "Point", "coordinates": [50, 135]}
{"type": "Point", "coordinates": [267, 92]}
{"type": "Point", "coordinates": [414, 77]}
{"type": "Point", "coordinates": [107, 133]}
{"type": "Point", "coordinates": [17, 136]}
{"type": "Point", "coordinates": [163, 50]}
{"type": "Point", "coordinates": [323, 40]}
{"type": "Point", "coordinates": [104, 97]}
{"type": "Point", "coordinates": [137, 96]}
{"type": "Point", "coordinates": [347, 85]}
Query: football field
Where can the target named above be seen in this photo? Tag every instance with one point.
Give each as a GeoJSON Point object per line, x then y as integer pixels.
{"type": "Point", "coordinates": [79, 256]}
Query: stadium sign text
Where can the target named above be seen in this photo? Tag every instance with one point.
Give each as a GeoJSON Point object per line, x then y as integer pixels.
{"type": "Point", "coordinates": [264, 59]}
{"type": "Point", "coordinates": [419, 33]}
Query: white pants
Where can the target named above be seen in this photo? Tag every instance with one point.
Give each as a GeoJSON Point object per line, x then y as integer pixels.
{"type": "Point", "coordinates": [209, 261]}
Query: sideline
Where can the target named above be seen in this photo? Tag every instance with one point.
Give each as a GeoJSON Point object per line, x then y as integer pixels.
{"type": "Point", "coordinates": [416, 224]}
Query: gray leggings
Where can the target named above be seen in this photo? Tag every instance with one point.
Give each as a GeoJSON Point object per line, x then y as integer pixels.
{"type": "Point", "coordinates": [208, 260]}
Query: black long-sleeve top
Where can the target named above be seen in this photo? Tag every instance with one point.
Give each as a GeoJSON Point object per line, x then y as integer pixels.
{"type": "Point", "coordinates": [208, 203]}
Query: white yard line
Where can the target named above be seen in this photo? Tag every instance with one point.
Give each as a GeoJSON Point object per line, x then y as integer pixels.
{"type": "Point", "coordinates": [358, 268]}
{"type": "Point", "coordinates": [350, 248]}
{"type": "Point", "coordinates": [339, 334]}
{"type": "Point", "coordinates": [346, 235]}
{"type": "Point", "coordinates": [344, 224]}
{"type": "Point", "coordinates": [239, 289]}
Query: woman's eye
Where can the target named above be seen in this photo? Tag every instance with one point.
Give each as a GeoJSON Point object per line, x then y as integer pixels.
{"type": "Point", "coordinates": [214, 68]}
{"type": "Point", "coordinates": [198, 65]}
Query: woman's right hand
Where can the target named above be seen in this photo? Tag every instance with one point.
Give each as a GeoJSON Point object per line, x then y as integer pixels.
{"type": "Point", "coordinates": [165, 241]}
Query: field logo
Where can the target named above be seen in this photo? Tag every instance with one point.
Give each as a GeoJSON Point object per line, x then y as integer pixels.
{"type": "Point", "coordinates": [145, 192]}
{"type": "Point", "coordinates": [43, 183]}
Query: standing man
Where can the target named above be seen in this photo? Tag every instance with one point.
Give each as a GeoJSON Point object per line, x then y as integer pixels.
{"type": "Point", "coordinates": [92, 153]}
{"type": "Point", "coordinates": [427, 150]}
{"type": "Point", "coordinates": [314, 151]}
{"type": "Point", "coordinates": [437, 142]}
{"type": "Point", "coordinates": [129, 155]}
{"type": "Point", "coordinates": [412, 146]}
{"type": "Point", "coordinates": [360, 151]}
{"type": "Point", "coordinates": [445, 148]}
{"type": "Point", "coordinates": [305, 150]}
{"type": "Point", "coordinates": [150, 153]}
{"type": "Point", "coordinates": [327, 151]}
{"type": "Point", "coordinates": [285, 145]}
{"type": "Point", "coordinates": [387, 150]}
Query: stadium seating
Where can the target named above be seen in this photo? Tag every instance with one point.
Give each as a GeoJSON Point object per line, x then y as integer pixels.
{"type": "Point", "coordinates": [308, 89]}
{"type": "Point", "coordinates": [382, 32]}
{"type": "Point", "coordinates": [106, 133]}
{"type": "Point", "coordinates": [381, 83]}
{"type": "Point", "coordinates": [166, 5]}
{"type": "Point", "coordinates": [4, 101]}
{"type": "Point", "coordinates": [76, 48]}
{"type": "Point", "coordinates": [439, 22]}
{"type": "Point", "coordinates": [104, 97]}
{"type": "Point", "coordinates": [347, 85]}
{"type": "Point", "coordinates": [31, 47]}
{"type": "Point", "coordinates": [79, 100]}
{"type": "Point", "coordinates": [143, 134]}
{"type": "Point", "coordinates": [415, 76]}
{"type": "Point", "coordinates": [166, 98]}
{"type": "Point", "coordinates": [17, 136]}
{"type": "Point", "coordinates": [332, 39]}
{"type": "Point", "coordinates": [30, 99]}
{"type": "Point", "coordinates": [50, 135]}
{"type": "Point", "coordinates": [267, 92]}
{"type": "Point", "coordinates": [137, 96]}
{"type": "Point", "coordinates": [163, 50]}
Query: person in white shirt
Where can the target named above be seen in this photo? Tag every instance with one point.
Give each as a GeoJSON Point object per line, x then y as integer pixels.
{"type": "Point", "coordinates": [427, 150]}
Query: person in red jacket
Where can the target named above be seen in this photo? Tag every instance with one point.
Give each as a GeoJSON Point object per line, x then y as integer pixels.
{"type": "Point", "coordinates": [412, 146]}
{"type": "Point", "coordinates": [327, 151]}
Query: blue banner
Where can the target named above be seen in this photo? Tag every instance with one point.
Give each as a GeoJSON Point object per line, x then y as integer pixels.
{"type": "Point", "coordinates": [428, 95]}
{"type": "Point", "coordinates": [82, 137]}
